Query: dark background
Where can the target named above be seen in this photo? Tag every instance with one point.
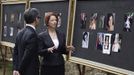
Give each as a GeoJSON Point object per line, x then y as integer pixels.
{"type": "Point", "coordinates": [122, 59]}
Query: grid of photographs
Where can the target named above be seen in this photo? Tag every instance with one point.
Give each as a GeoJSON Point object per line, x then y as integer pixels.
{"type": "Point", "coordinates": [12, 21]}
{"type": "Point", "coordinates": [107, 41]}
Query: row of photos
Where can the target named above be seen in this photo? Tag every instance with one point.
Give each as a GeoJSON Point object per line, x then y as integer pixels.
{"type": "Point", "coordinates": [107, 42]}
{"type": "Point", "coordinates": [19, 21]}
{"type": "Point", "coordinates": [106, 22]}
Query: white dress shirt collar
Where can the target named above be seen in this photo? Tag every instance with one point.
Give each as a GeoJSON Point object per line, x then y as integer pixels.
{"type": "Point", "coordinates": [31, 26]}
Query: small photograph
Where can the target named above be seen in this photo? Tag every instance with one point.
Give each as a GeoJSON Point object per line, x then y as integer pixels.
{"type": "Point", "coordinates": [99, 41]}
{"type": "Point", "coordinates": [11, 31]}
{"type": "Point", "coordinates": [116, 42]}
{"type": "Point", "coordinates": [19, 18]}
{"type": "Point", "coordinates": [5, 16]}
{"type": "Point", "coordinates": [110, 22]}
{"type": "Point", "coordinates": [93, 21]}
{"type": "Point", "coordinates": [85, 39]}
{"type": "Point", "coordinates": [59, 18]}
{"type": "Point", "coordinates": [12, 18]}
{"type": "Point", "coordinates": [83, 18]}
{"type": "Point", "coordinates": [107, 43]}
{"type": "Point", "coordinates": [5, 31]}
{"type": "Point", "coordinates": [101, 22]}
{"type": "Point", "coordinates": [128, 22]}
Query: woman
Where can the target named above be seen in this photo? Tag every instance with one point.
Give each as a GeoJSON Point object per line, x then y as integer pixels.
{"type": "Point", "coordinates": [52, 46]}
{"type": "Point", "coordinates": [110, 22]}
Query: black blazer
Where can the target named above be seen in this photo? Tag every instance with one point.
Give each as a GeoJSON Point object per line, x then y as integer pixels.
{"type": "Point", "coordinates": [45, 42]}
{"type": "Point", "coordinates": [25, 56]}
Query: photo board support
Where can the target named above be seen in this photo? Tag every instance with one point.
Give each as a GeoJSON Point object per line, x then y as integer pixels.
{"type": "Point", "coordinates": [27, 4]}
{"type": "Point", "coordinates": [70, 24]}
{"type": "Point", "coordinates": [0, 20]}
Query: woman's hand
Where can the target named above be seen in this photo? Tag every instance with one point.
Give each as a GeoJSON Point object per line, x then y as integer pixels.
{"type": "Point", "coordinates": [70, 48]}
{"type": "Point", "coordinates": [51, 49]}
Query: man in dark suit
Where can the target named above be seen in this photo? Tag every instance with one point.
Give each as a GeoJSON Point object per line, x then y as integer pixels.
{"type": "Point", "coordinates": [25, 57]}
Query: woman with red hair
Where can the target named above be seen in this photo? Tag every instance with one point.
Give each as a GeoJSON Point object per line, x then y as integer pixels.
{"type": "Point", "coordinates": [52, 44]}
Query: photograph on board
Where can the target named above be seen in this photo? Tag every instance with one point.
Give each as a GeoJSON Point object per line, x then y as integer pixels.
{"type": "Point", "coordinates": [19, 18]}
{"type": "Point", "coordinates": [12, 18]}
{"type": "Point", "coordinates": [128, 22]}
{"type": "Point", "coordinates": [11, 31]}
{"type": "Point", "coordinates": [5, 18]}
{"type": "Point", "coordinates": [107, 44]}
{"type": "Point", "coordinates": [116, 42]}
{"type": "Point", "coordinates": [101, 22]}
{"type": "Point", "coordinates": [85, 39]}
{"type": "Point", "coordinates": [110, 22]}
{"type": "Point", "coordinates": [5, 31]}
{"type": "Point", "coordinates": [83, 19]}
{"type": "Point", "coordinates": [93, 21]}
{"type": "Point", "coordinates": [99, 41]}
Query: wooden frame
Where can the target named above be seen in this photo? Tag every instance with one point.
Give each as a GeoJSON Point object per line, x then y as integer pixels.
{"type": "Point", "coordinates": [45, 0]}
{"type": "Point", "coordinates": [97, 65]}
{"type": "Point", "coordinates": [9, 44]}
{"type": "Point", "coordinates": [70, 25]}
{"type": "Point", "coordinates": [101, 66]}
{"type": "Point", "coordinates": [0, 20]}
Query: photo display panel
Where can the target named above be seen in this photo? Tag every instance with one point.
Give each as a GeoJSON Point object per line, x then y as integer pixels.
{"type": "Point", "coordinates": [12, 21]}
{"type": "Point", "coordinates": [104, 32]}
{"type": "Point", "coordinates": [59, 7]}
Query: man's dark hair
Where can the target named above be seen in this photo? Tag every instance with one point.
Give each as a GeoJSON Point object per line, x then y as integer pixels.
{"type": "Point", "coordinates": [30, 15]}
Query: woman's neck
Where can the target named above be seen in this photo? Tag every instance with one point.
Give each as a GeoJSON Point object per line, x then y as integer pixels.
{"type": "Point", "coordinates": [51, 30]}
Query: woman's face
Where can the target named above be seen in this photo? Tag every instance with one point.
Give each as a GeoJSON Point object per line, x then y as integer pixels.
{"type": "Point", "coordinates": [52, 22]}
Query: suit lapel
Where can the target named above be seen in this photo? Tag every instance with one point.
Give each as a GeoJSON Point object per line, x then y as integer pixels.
{"type": "Point", "coordinates": [49, 40]}
{"type": "Point", "coordinates": [59, 38]}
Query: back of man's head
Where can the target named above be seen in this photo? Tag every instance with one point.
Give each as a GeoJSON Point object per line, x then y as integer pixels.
{"type": "Point", "coordinates": [30, 15]}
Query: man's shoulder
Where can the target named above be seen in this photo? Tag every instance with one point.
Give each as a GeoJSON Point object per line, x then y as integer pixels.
{"type": "Point", "coordinates": [44, 33]}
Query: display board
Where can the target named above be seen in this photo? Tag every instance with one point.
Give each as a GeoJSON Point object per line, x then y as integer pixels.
{"type": "Point", "coordinates": [104, 32]}
{"type": "Point", "coordinates": [12, 20]}
{"type": "Point", "coordinates": [58, 6]}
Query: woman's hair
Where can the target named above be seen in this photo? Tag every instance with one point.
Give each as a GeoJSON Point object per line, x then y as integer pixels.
{"type": "Point", "coordinates": [48, 15]}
